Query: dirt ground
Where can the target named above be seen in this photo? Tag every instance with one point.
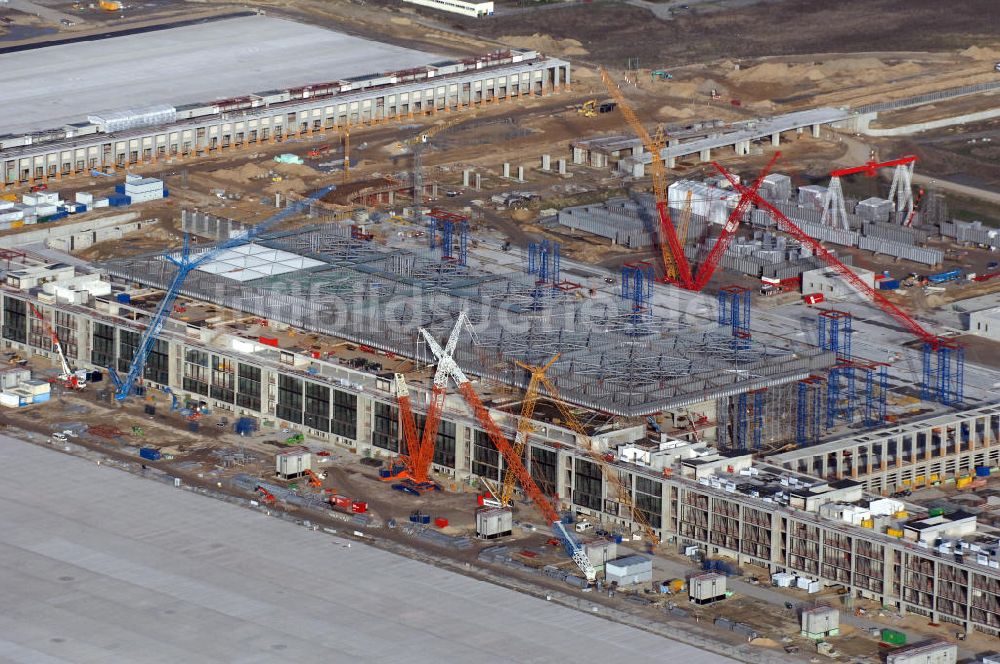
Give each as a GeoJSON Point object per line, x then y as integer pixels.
{"type": "Point", "coordinates": [611, 32]}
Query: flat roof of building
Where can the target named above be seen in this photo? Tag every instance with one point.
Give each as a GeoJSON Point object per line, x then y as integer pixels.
{"type": "Point", "coordinates": [53, 86]}
{"type": "Point", "coordinates": [135, 570]}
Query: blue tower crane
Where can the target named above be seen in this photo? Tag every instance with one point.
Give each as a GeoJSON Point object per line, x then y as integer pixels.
{"type": "Point", "coordinates": [185, 264]}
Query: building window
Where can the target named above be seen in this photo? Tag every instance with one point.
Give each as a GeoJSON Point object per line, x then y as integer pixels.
{"type": "Point", "coordinates": [289, 399]}
{"type": "Point", "coordinates": [196, 371]}
{"type": "Point", "coordinates": [485, 457]}
{"type": "Point", "coordinates": [223, 379]}
{"type": "Point", "coordinates": [385, 429]}
{"type": "Point", "coordinates": [648, 500]}
{"type": "Point", "coordinates": [248, 388]}
{"type": "Point", "coordinates": [444, 443]}
{"type": "Point", "coordinates": [588, 485]}
{"type": "Point", "coordinates": [543, 469]}
{"type": "Point", "coordinates": [102, 351]}
{"type": "Point", "coordinates": [317, 407]}
{"type": "Point", "coordinates": [15, 319]}
{"type": "Point", "coordinates": [344, 421]}
{"type": "Point", "coordinates": [66, 331]}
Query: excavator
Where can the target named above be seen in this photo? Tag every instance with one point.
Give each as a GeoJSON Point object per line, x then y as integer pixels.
{"type": "Point", "coordinates": [314, 479]}
{"type": "Point", "coordinates": [588, 108]}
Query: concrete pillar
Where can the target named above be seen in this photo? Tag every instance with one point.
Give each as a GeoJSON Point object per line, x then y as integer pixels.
{"type": "Point", "coordinates": [520, 173]}
{"type": "Point", "coordinates": [815, 131]}
{"type": "Point", "coordinates": [776, 139]}
{"type": "Point", "coordinates": [579, 156]}
{"type": "Point", "coordinates": [466, 174]}
{"type": "Point", "coordinates": [705, 155]}
{"type": "Point", "coordinates": [671, 162]}
{"type": "Point", "coordinates": [479, 181]}
{"type": "Point", "coordinates": [546, 162]}
{"type": "Point", "coordinates": [506, 169]}
{"type": "Point", "coordinates": [434, 191]}
{"type": "Point", "coordinates": [562, 166]}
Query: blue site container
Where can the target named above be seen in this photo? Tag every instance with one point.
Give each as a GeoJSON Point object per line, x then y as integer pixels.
{"type": "Point", "coordinates": [119, 189]}
{"type": "Point", "coordinates": [119, 200]}
{"type": "Point", "coordinates": [165, 192]}
{"type": "Point", "coordinates": [942, 277]}
{"type": "Point", "coordinates": [123, 298]}
{"type": "Point", "coordinates": [982, 471]}
{"type": "Point", "coordinates": [888, 284]}
{"type": "Point", "coordinates": [245, 426]}
{"type": "Point", "coordinates": [150, 454]}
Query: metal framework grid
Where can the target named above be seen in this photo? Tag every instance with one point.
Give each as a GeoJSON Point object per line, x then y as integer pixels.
{"type": "Point", "coordinates": [610, 361]}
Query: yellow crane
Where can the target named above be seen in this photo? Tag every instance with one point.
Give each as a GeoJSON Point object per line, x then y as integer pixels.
{"type": "Point", "coordinates": [610, 472]}
{"type": "Point", "coordinates": [675, 264]}
{"type": "Point", "coordinates": [524, 426]}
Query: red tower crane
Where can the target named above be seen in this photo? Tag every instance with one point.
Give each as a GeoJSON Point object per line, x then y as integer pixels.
{"type": "Point", "coordinates": [871, 168]}
{"type": "Point", "coordinates": [787, 225]}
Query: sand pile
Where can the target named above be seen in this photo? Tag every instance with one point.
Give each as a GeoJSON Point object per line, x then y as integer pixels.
{"type": "Point", "coordinates": [546, 44]}
{"type": "Point", "coordinates": [673, 113]}
{"type": "Point", "coordinates": [979, 53]}
{"type": "Point", "coordinates": [295, 169]}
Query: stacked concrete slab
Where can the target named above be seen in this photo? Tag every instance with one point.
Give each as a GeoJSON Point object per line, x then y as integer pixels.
{"type": "Point", "coordinates": [626, 222]}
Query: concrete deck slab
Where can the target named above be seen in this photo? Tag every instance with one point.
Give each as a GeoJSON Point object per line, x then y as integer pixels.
{"type": "Point", "coordinates": [102, 566]}
{"type": "Point", "coordinates": [49, 87]}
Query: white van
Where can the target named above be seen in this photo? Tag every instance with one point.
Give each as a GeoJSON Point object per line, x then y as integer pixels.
{"type": "Point", "coordinates": [584, 526]}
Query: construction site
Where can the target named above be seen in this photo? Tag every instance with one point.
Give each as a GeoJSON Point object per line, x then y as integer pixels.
{"type": "Point", "coordinates": [675, 343]}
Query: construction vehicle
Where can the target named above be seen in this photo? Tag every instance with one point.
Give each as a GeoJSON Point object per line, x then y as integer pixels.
{"type": "Point", "coordinates": [588, 108]}
{"type": "Point", "coordinates": [266, 495]}
{"type": "Point", "coordinates": [295, 439]}
{"type": "Point", "coordinates": [414, 470]}
{"type": "Point", "coordinates": [75, 380]}
{"type": "Point", "coordinates": [111, 5]}
{"type": "Point", "coordinates": [319, 151]}
{"type": "Point", "coordinates": [314, 479]}
{"type": "Point", "coordinates": [449, 367]}
{"type": "Point", "coordinates": [185, 263]}
{"type": "Point", "coordinates": [660, 75]}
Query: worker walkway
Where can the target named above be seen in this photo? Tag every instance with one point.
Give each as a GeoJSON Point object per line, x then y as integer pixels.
{"type": "Point", "coordinates": [104, 566]}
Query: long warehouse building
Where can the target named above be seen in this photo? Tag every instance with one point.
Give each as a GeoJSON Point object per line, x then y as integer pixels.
{"type": "Point", "coordinates": [152, 125]}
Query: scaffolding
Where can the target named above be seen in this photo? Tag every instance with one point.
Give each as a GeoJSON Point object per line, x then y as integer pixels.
{"type": "Point", "coordinates": [809, 413]}
{"type": "Point", "coordinates": [834, 333]}
{"type": "Point", "coordinates": [637, 285]}
{"type": "Point", "coordinates": [448, 224]}
{"type": "Point", "coordinates": [944, 372]}
{"type": "Point", "coordinates": [367, 293]}
{"type": "Point", "coordinates": [734, 310]}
